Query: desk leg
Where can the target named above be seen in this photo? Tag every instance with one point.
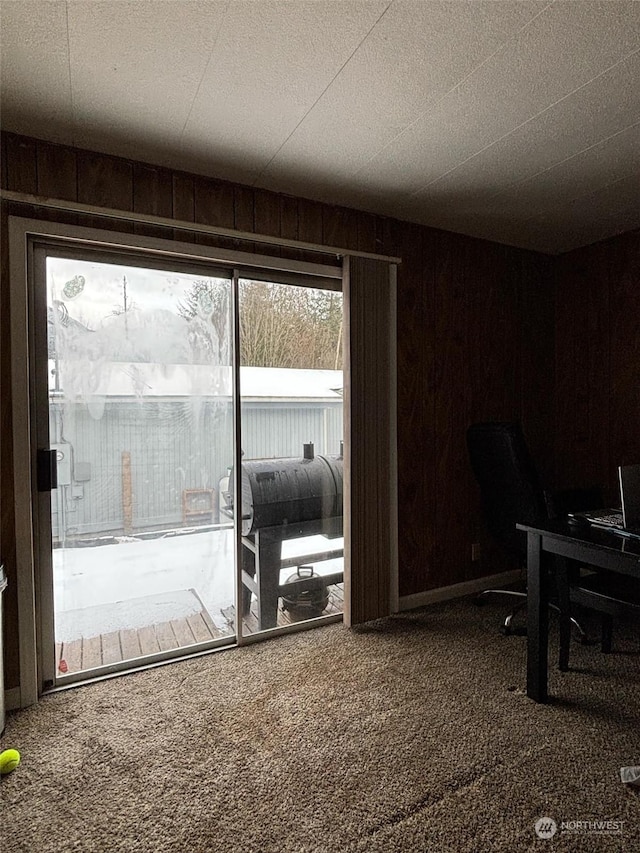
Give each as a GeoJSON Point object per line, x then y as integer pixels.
{"type": "Point", "coordinates": [537, 620]}
{"type": "Point", "coordinates": [562, 573]}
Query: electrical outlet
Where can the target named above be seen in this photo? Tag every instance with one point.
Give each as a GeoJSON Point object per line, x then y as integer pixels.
{"type": "Point", "coordinates": [475, 552]}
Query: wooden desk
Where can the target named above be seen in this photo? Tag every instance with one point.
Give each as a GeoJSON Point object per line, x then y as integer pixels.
{"type": "Point", "coordinates": [590, 547]}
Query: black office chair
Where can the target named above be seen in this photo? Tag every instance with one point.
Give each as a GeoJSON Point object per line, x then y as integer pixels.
{"type": "Point", "coordinates": [512, 493]}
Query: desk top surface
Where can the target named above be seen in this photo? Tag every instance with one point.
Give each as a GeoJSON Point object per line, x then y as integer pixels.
{"type": "Point", "coordinates": [626, 547]}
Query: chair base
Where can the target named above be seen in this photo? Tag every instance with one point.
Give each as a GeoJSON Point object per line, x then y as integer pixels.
{"type": "Point", "coordinates": [507, 628]}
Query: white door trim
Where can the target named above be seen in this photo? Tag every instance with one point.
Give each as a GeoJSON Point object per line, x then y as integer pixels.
{"type": "Point", "coordinates": [22, 465]}
{"type": "Point", "coordinates": [21, 263]}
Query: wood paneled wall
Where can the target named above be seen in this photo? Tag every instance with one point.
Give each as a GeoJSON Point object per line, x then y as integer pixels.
{"type": "Point", "coordinates": [598, 363]}
{"type": "Point", "coordinates": [475, 336]}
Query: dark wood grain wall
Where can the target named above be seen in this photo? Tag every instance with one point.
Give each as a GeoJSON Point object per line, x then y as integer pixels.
{"type": "Point", "coordinates": [598, 362]}
{"type": "Point", "coordinates": [475, 336]}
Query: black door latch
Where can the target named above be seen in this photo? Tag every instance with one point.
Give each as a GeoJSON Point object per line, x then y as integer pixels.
{"type": "Point", "coordinates": [47, 470]}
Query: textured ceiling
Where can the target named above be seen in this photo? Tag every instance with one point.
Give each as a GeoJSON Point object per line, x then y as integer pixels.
{"type": "Point", "coordinates": [516, 121]}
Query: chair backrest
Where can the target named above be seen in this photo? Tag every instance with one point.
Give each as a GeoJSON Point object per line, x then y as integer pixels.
{"type": "Point", "coordinates": [509, 484]}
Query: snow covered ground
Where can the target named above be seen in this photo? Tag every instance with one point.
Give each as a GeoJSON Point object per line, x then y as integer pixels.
{"type": "Point", "coordinates": [160, 570]}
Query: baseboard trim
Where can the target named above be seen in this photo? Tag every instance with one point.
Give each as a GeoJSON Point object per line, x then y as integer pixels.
{"type": "Point", "coordinates": [12, 699]}
{"type": "Point", "coordinates": [458, 590]}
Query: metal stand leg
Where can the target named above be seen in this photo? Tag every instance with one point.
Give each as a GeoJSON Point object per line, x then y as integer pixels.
{"type": "Point", "coordinates": [267, 561]}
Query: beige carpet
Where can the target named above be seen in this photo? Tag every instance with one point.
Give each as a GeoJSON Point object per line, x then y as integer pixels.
{"type": "Point", "coordinates": [414, 735]}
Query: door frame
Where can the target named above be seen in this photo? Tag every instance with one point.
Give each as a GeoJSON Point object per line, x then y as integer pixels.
{"type": "Point", "coordinates": [23, 233]}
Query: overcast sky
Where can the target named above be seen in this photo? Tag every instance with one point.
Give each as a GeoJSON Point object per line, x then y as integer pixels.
{"type": "Point", "coordinates": [102, 295]}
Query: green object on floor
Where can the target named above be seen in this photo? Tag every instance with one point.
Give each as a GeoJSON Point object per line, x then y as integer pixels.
{"type": "Point", "coordinates": [9, 760]}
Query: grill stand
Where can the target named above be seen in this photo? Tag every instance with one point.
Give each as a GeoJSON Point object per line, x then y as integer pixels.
{"type": "Point", "coordinates": [262, 562]}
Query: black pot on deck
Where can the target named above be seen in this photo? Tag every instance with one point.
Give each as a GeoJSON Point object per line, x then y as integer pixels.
{"type": "Point", "coordinates": [304, 601]}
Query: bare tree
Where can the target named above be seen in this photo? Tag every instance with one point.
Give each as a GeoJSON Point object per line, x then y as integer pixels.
{"type": "Point", "coordinates": [280, 325]}
{"type": "Point", "coordinates": [285, 326]}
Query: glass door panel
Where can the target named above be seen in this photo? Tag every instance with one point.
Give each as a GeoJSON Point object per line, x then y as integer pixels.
{"type": "Point", "coordinates": [291, 386]}
{"type": "Point", "coordinates": [141, 422]}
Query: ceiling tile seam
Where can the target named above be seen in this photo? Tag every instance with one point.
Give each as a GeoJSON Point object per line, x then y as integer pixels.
{"type": "Point", "coordinates": [450, 91]}
{"type": "Point", "coordinates": [204, 72]}
{"type": "Point", "coordinates": [321, 95]}
{"type": "Point", "coordinates": [591, 192]}
{"type": "Point", "coordinates": [71, 99]}
{"type": "Point", "coordinates": [577, 154]}
{"type": "Point", "coordinates": [504, 189]}
{"type": "Point", "coordinates": [525, 123]}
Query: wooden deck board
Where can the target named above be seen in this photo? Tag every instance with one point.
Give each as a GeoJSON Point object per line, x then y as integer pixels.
{"type": "Point", "coordinates": [166, 637]}
{"type": "Point", "coordinates": [111, 649]}
{"type": "Point", "coordinates": [91, 652]}
{"type": "Point", "coordinates": [250, 622]}
{"type": "Point", "coordinates": [148, 640]}
{"type": "Point", "coordinates": [131, 643]}
{"type": "Point", "coordinates": [183, 633]}
{"type": "Point", "coordinates": [199, 627]}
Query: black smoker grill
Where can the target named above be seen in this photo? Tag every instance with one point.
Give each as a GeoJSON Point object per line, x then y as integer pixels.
{"type": "Point", "coordinates": [287, 499]}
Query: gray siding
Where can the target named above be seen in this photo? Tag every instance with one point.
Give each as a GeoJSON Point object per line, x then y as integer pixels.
{"type": "Point", "coordinates": [174, 445]}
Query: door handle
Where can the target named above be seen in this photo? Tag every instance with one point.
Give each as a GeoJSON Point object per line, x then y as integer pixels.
{"type": "Point", "coordinates": [47, 470]}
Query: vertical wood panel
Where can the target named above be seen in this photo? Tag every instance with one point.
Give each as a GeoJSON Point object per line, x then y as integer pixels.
{"type": "Point", "coordinates": [598, 470]}
{"type": "Point", "coordinates": [244, 215]}
{"type": "Point", "coordinates": [569, 338]}
{"type": "Point", "coordinates": [152, 193]}
{"type": "Point", "coordinates": [367, 224]}
{"type": "Point", "coordinates": [451, 412]}
{"type": "Point", "coordinates": [368, 536]}
{"type": "Point", "coordinates": [267, 221]}
{"type": "Point", "coordinates": [340, 227]}
{"type": "Point", "coordinates": [492, 279]}
{"type": "Point", "coordinates": [105, 182]}
{"type": "Point", "coordinates": [416, 433]}
{"type": "Point", "coordinates": [596, 344]}
{"type": "Point", "coordinates": [309, 226]}
{"type": "Point", "coordinates": [624, 281]}
{"type": "Point", "coordinates": [537, 357]}
{"type": "Point", "coordinates": [214, 205]}
{"type": "Point", "coordinates": [266, 213]}
{"type": "Point", "coordinates": [183, 205]}
{"type": "Point", "coordinates": [573, 384]}
{"type": "Point", "coordinates": [4, 181]}
{"type": "Point", "coordinates": [22, 170]}
{"type": "Point", "coordinates": [309, 221]}
{"type": "Point", "coordinates": [57, 171]}
{"type": "Point", "coordinates": [289, 223]}
{"type": "Point", "coordinates": [491, 286]}
{"type": "Point", "coordinates": [289, 217]}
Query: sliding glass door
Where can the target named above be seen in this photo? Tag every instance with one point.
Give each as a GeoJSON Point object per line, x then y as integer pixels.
{"type": "Point", "coordinates": [291, 389]}
{"type": "Point", "coordinates": [161, 389]}
{"type": "Point", "coordinates": [140, 421]}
